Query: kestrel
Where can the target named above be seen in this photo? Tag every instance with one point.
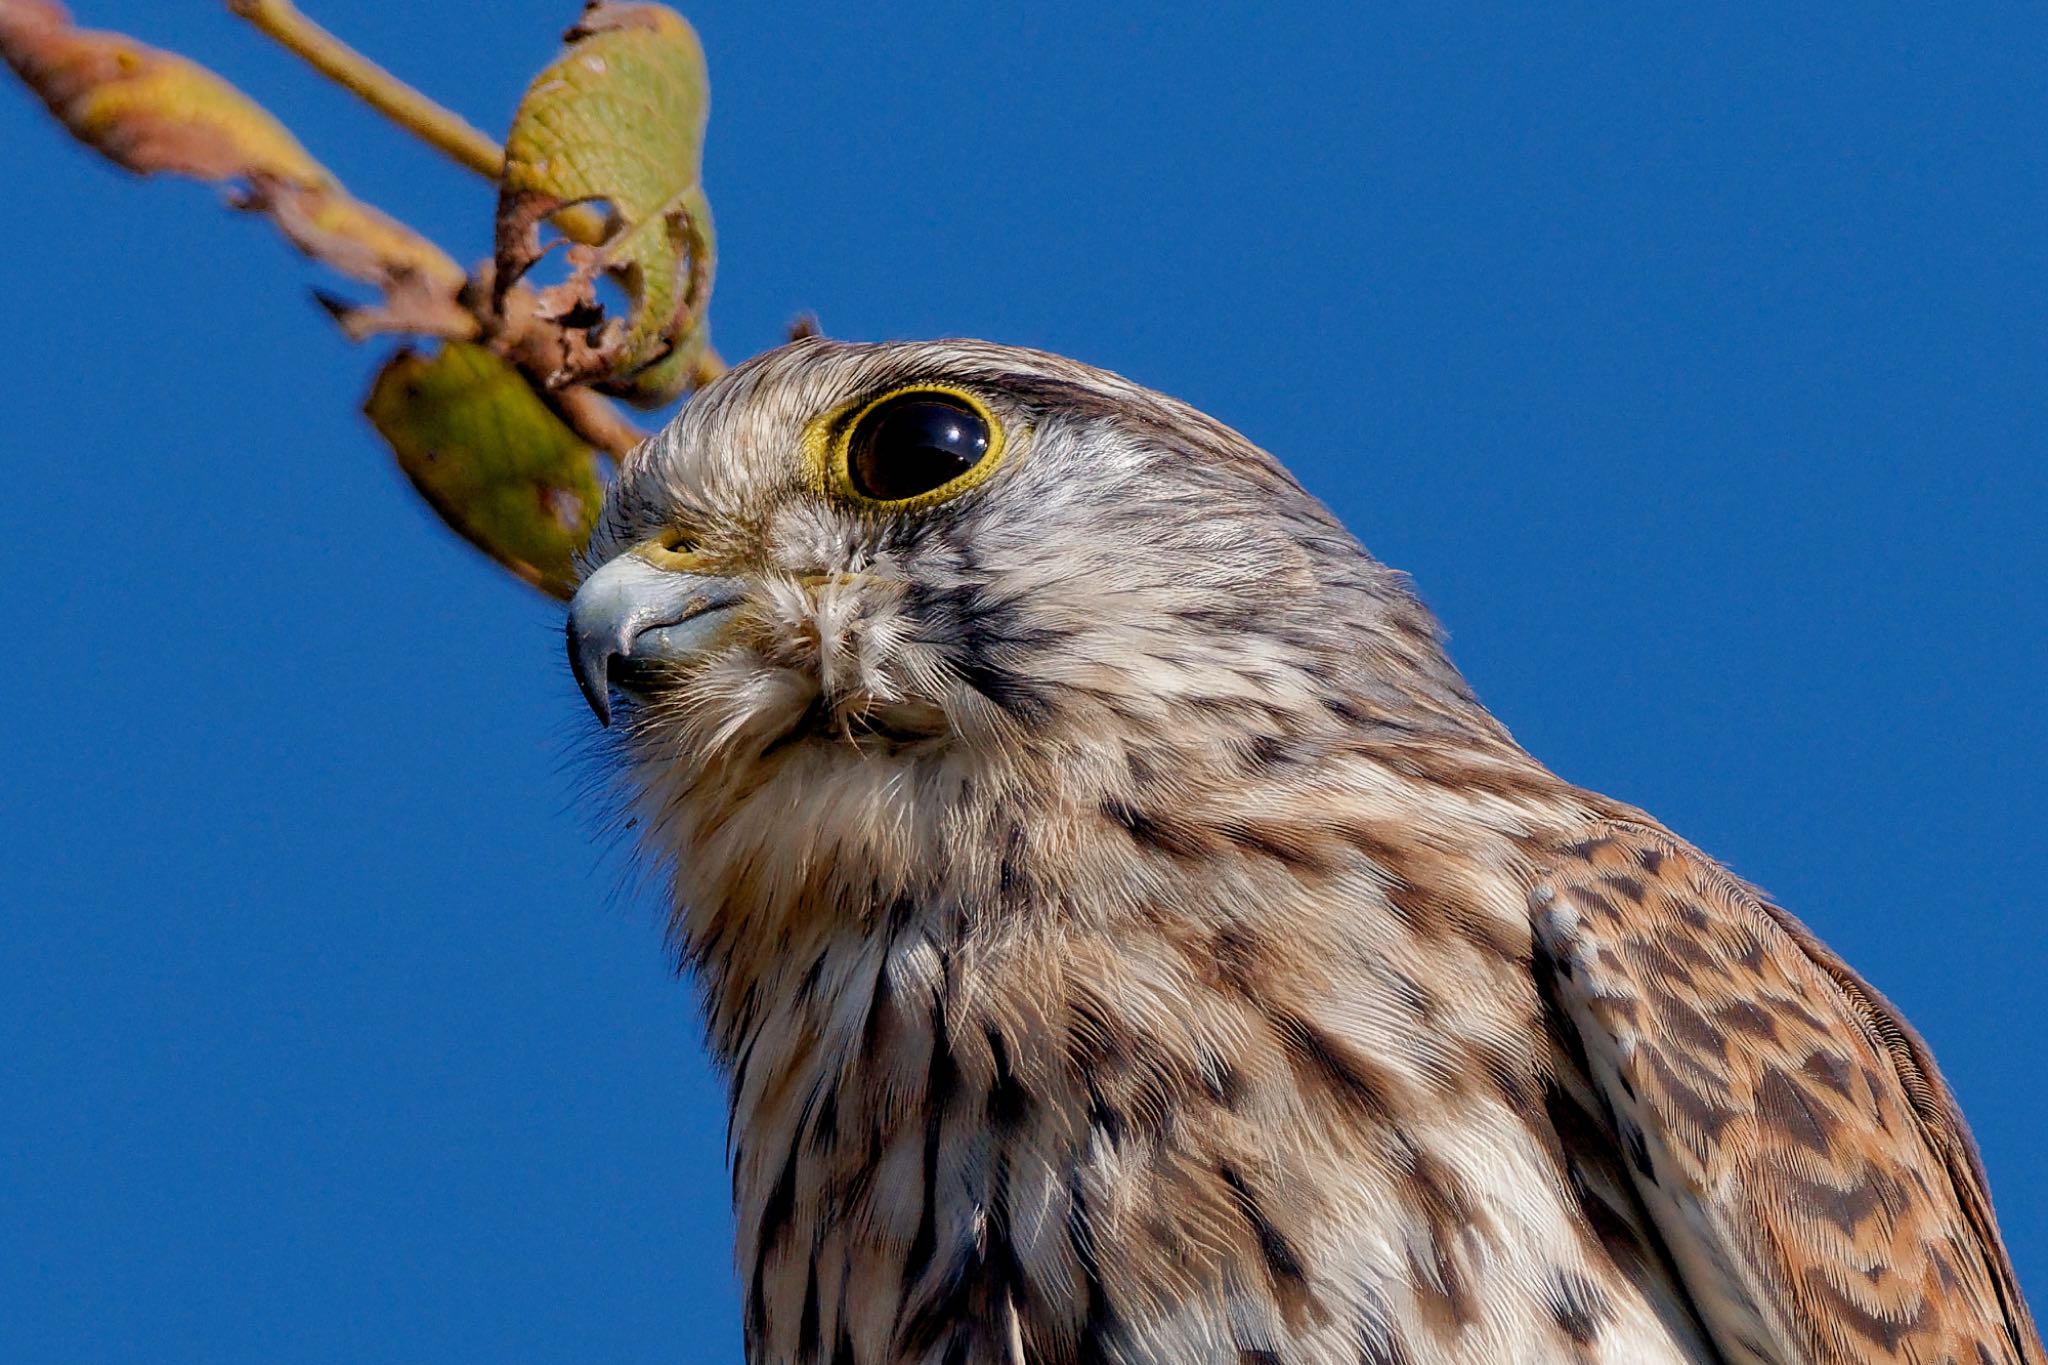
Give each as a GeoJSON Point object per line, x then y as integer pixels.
{"type": "Point", "coordinates": [1131, 943]}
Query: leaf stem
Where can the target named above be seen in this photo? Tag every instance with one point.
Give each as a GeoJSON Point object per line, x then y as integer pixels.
{"type": "Point", "coordinates": [599, 423]}
{"type": "Point", "coordinates": [440, 128]}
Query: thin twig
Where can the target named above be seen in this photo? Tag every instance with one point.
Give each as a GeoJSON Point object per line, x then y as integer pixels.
{"type": "Point", "coordinates": [597, 421]}
{"type": "Point", "coordinates": [710, 364]}
{"type": "Point", "coordinates": [443, 129]}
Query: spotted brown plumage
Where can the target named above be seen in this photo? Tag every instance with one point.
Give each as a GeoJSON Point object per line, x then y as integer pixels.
{"type": "Point", "coordinates": [1131, 943]}
{"type": "Point", "coordinates": [1800, 1155]}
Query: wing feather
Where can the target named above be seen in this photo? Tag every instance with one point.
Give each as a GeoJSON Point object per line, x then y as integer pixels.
{"type": "Point", "coordinates": [1800, 1154]}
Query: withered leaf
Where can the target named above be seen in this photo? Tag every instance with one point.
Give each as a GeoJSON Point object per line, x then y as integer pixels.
{"type": "Point", "coordinates": [490, 457]}
{"type": "Point", "coordinates": [145, 109]}
{"type": "Point", "coordinates": [153, 111]}
{"type": "Point", "coordinates": [617, 121]}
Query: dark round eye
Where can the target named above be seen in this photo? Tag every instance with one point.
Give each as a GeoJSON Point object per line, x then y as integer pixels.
{"type": "Point", "coordinates": [913, 443]}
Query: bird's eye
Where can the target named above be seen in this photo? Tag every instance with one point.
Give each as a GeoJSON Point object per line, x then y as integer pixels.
{"type": "Point", "coordinates": [915, 443]}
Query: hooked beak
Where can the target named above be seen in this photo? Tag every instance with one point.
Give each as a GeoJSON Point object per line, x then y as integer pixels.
{"type": "Point", "coordinates": [632, 611]}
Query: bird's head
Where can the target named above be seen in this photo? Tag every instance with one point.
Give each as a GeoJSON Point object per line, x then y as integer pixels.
{"type": "Point", "coordinates": [866, 588]}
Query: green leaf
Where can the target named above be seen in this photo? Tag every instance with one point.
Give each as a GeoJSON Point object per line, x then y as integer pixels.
{"type": "Point", "coordinates": [491, 458]}
{"type": "Point", "coordinates": [617, 121]}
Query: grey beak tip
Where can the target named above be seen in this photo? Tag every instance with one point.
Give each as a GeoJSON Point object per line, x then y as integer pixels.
{"type": "Point", "coordinates": [590, 660]}
{"type": "Point", "coordinates": [600, 699]}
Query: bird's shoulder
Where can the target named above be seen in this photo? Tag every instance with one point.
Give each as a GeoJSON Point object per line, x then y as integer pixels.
{"type": "Point", "coordinates": [1805, 1162]}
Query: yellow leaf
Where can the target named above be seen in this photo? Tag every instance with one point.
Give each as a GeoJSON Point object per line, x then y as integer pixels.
{"type": "Point", "coordinates": [617, 121]}
{"type": "Point", "coordinates": [491, 458]}
{"type": "Point", "coordinates": [150, 111]}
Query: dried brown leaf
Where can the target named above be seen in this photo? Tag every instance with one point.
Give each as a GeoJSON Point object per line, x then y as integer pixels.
{"type": "Point", "coordinates": [153, 111]}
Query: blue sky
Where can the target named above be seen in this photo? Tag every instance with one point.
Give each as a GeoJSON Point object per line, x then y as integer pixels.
{"type": "Point", "coordinates": [1692, 362]}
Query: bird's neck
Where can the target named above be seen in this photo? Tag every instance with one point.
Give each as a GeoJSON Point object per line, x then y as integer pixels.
{"type": "Point", "coordinates": [790, 872]}
{"type": "Point", "coordinates": [1016, 986]}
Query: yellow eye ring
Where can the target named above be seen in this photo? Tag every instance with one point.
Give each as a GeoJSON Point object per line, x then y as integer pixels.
{"type": "Point", "coordinates": [911, 447]}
